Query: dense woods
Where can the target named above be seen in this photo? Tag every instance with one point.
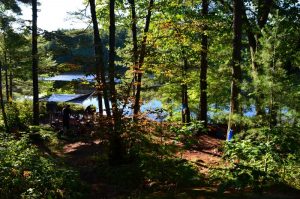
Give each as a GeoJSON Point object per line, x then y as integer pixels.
{"type": "Point", "coordinates": [192, 99]}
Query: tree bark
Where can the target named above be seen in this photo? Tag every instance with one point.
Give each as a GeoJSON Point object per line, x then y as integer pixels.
{"type": "Point", "coordinates": [116, 152]}
{"type": "Point", "coordinates": [11, 85]}
{"type": "Point", "coordinates": [6, 76]}
{"type": "Point", "coordinates": [136, 107]}
{"type": "Point", "coordinates": [183, 118]}
{"type": "Point", "coordinates": [2, 103]}
{"type": "Point", "coordinates": [7, 85]}
{"type": "Point", "coordinates": [10, 81]}
{"type": "Point", "coordinates": [35, 65]}
{"type": "Point", "coordinates": [186, 115]}
{"type": "Point", "coordinates": [264, 8]}
{"type": "Point", "coordinates": [236, 59]}
{"type": "Point", "coordinates": [99, 97]}
{"type": "Point", "coordinates": [135, 44]}
{"type": "Point", "coordinates": [112, 42]}
{"type": "Point", "coordinates": [203, 69]}
{"type": "Point", "coordinates": [100, 68]}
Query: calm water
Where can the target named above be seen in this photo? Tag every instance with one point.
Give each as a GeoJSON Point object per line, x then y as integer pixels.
{"type": "Point", "coordinates": [151, 105]}
{"type": "Point", "coordinates": [147, 107]}
{"type": "Point", "coordinates": [155, 104]}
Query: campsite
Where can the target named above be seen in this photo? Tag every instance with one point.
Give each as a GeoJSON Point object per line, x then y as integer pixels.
{"type": "Point", "coordinates": [184, 99]}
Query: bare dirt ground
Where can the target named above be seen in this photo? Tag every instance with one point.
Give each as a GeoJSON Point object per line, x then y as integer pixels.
{"type": "Point", "coordinates": [83, 156]}
{"type": "Point", "coordinates": [206, 153]}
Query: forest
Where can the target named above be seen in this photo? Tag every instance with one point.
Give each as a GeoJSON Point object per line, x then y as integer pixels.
{"type": "Point", "coordinates": [152, 99]}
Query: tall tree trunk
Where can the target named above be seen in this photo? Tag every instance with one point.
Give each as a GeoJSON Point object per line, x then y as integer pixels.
{"type": "Point", "coordinates": [273, 106]}
{"type": "Point", "coordinates": [236, 59]}
{"type": "Point", "coordinates": [186, 115]}
{"type": "Point", "coordinates": [6, 75]}
{"type": "Point", "coordinates": [11, 85]}
{"type": "Point", "coordinates": [100, 68]}
{"type": "Point", "coordinates": [136, 107]}
{"type": "Point", "coordinates": [183, 118]}
{"type": "Point", "coordinates": [135, 44]}
{"type": "Point", "coordinates": [10, 79]}
{"type": "Point", "coordinates": [112, 42]}
{"type": "Point", "coordinates": [264, 8]}
{"type": "Point", "coordinates": [100, 104]}
{"type": "Point", "coordinates": [7, 85]}
{"type": "Point", "coordinates": [116, 152]}
{"type": "Point", "coordinates": [203, 69]}
{"type": "Point", "coordinates": [2, 103]}
{"type": "Point", "coordinates": [35, 65]}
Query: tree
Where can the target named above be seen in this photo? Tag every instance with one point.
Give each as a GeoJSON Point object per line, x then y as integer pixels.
{"type": "Point", "coordinates": [203, 69]}
{"type": "Point", "coordinates": [100, 69]}
{"type": "Point", "coordinates": [236, 60]}
{"type": "Point", "coordinates": [13, 45]}
{"type": "Point", "coordinates": [264, 8]}
{"type": "Point", "coordinates": [186, 114]}
{"type": "Point", "coordinates": [112, 43]}
{"type": "Point", "coordinates": [136, 107]}
{"type": "Point", "coordinates": [115, 140]}
{"type": "Point", "coordinates": [134, 42]}
{"type": "Point", "coordinates": [35, 82]}
{"type": "Point", "coordinates": [7, 33]}
{"type": "Point", "coordinates": [2, 103]}
{"type": "Point", "coordinates": [172, 57]}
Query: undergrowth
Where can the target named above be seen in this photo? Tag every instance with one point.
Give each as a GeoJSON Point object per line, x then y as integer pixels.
{"type": "Point", "coordinates": [260, 158]}
{"type": "Point", "coordinates": [27, 173]}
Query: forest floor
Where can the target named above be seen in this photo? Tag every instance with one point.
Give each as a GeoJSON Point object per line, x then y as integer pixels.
{"type": "Point", "coordinates": [88, 155]}
{"type": "Point", "coordinates": [83, 154]}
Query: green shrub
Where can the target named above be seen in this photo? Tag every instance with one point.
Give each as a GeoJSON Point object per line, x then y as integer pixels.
{"type": "Point", "coordinates": [185, 133]}
{"type": "Point", "coordinates": [76, 108]}
{"type": "Point", "coordinates": [13, 117]}
{"type": "Point", "coordinates": [19, 115]}
{"type": "Point", "coordinates": [261, 157]}
{"type": "Point", "coordinates": [25, 173]}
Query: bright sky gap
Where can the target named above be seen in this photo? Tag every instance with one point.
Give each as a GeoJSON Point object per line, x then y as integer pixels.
{"type": "Point", "coordinates": [53, 14]}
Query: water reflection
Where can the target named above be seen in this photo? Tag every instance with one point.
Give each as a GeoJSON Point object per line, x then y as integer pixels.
{"type": "Point", "coordinates": [151, 108]}
{"type": "Point", "coordinates": [147, 107]}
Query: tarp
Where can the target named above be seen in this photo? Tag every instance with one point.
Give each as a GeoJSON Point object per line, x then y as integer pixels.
{"type": "Point", "coordinates": [70, 77]}
{"type": "Point", "coordinates": [81, 98]}
{"type": "Point", "coordinates": [74, 98]}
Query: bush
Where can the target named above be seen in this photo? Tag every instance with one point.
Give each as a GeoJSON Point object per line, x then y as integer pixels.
{"type": "Point", "coordinates": [261, 157]}
{"type": "Point", "coordinates": [75, 108]}
{"type": "Point", "coordinates": [25, 173]}
{"type": "Point", "coordinates": [19, 115]}
{"type": "Point", "coordinates": [186, 133]}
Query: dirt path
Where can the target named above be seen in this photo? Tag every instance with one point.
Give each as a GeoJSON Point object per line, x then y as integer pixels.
{"type": "Point", "coordinates": [206, 153]}
{"type": "Point", "coordinates": [84, 157]}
